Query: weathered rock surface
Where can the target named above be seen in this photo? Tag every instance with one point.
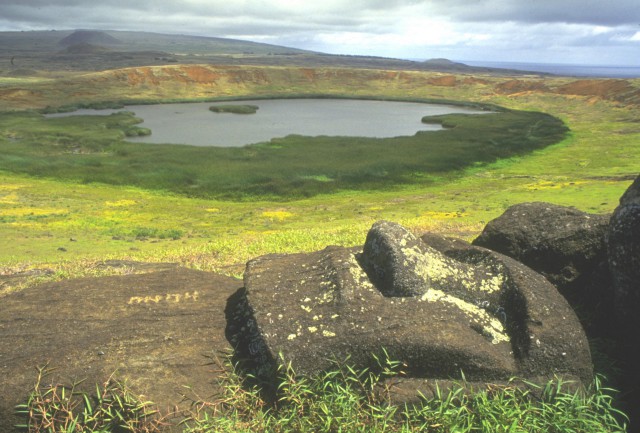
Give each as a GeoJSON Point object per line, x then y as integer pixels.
{"type": "Point", "coordinates": [463, 308]}
{"type": "Point", "coordinates": [157, 330]}
{"type": "Point", "coordinates": [623, 245]}
{"type": "Point", "coordinates": [565, 245]}
{"type": "Point", "coordinates": [594, 260]}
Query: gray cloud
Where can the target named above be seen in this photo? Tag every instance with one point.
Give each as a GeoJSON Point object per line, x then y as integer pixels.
{"type": "Point", "coordinates": [595, 12]}
{"type": "Point", "coordinates": [539, 30]}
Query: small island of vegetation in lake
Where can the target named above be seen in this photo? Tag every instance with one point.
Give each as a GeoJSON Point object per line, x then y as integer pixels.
{"type": "Point", "coordinates": [235, 109]}
{"type": "Point", "coordinates": [287, 168]}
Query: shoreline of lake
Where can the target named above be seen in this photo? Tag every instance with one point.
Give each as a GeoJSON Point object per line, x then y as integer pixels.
{"type": "Point", "coordinates": [194, 124]}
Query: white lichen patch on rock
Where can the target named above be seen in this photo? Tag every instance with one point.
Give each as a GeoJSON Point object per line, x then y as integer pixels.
{"type": "Point", "coordinates": [490, 325]}
{"type": "Point", "coordinates": [325, 298]}
{"type": "Point", "coordinates": [358, 274]}
{"type": "Point", "coordinates": [429, 267]}
{"type": "Point", "coordinates": [492, 283]}
{"type": "Point", "coordinates": [435, 269]}
{"type": "Point", "coordinates": [424, 299]}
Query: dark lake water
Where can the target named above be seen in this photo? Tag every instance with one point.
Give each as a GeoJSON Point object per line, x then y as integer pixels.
{"type": "Point", "coordinates": [195, 124]}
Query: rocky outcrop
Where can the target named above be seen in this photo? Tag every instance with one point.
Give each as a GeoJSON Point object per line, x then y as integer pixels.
{"type": "Point", "coordinates": [565, 245]}
{"type": "Point", "coordinates": [463, 308]}
{"type": "Point", "coordinates": [623, 246]}
{"type": "Point", "coordinates": [594, 260]}
{"type": "Point", "coordinates": [158, 331]}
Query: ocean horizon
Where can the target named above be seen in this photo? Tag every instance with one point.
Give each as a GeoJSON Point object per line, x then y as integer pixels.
{"type": "Point", "coordinates": [564, 69]}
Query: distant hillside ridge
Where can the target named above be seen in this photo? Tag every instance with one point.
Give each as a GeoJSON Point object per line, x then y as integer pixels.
{"type": "Point", "coordinates": [444, 62]}
{"type": "Point", "coordinates": [90, 37]}
{"type": "Point", "coordinates": [174, 43]}
{"type": "Point", "coordinates": [39, 50]}
{"type": "Point", "coordinates": [208, 82]}
{"type": "Point", "coordinates": [85, 48]}
{"type": "Point", "coordinates": [43, 42]}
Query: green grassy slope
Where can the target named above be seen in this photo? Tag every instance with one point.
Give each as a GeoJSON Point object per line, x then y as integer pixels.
{"type": "Point", "coordinates": [589, 169]}
{"type": "Point", "coordinates": [68, 227]}
{"type": "Point", "coordinates": [91, 149]}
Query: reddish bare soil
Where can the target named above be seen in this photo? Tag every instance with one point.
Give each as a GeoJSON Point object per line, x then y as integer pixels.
{"type": "Point", "coordinates": [518, 86]}
{"type": "Point", "coordinates": [211, 81]}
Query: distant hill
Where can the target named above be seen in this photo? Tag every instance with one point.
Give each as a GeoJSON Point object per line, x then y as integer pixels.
{"type": "Point", "coordinates": [89, 37]}
{"type": "Point", "coordinates": [446, 65]}
{"type": "Point", "coordinates": [94, 50]}
{"type": "Point", "coordinates": [52, 40]}
{"type": "Point", "coordinates": [199, 45]}
{"type": "Point", "coordinates": [85, 48]}
{"type": "Point", "coordinates": [443, 62]}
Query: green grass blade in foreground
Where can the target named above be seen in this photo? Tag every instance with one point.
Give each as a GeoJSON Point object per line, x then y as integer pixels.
{"type": "Point", "coordinates": [347, 400]}
{"type": "Point", "coordinates": [343, 399]}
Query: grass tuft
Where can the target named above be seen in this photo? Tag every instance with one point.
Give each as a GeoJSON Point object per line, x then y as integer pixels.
{"type": "Point", "coordinates": [342, 399]}
{"type": "Point", "coordinates": [348, 400]}
{"type": "Point", "coordinates": [57, 408]}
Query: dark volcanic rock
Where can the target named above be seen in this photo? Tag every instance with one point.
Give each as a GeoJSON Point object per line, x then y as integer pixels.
{"type": "Point", "coordinates": [465, 309]}
{"type": "Point", "coordinates": [623, 244]}
{"type": "Point", "coordinates": [564, 244]}
{"type": "Point", "coordinates": [157, 330]}
{"type": "Point", "coordinates": [594, 260]}
{"type": "Point", "coordinates": [401, 265]}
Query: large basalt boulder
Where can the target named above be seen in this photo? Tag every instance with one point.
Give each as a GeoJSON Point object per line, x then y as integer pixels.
{"type": "Point", "coordinates": [564, 244]}
{"type": "Point", "coordinates": [158, 331]}
{"type": "Point", "coordinates": [623, 245]}
{"type": "Point", "coordinates": [464, 309]}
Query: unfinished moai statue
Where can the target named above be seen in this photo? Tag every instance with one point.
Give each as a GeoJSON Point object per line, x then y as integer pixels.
{"type": "Point", "coordinates": [440, 307]}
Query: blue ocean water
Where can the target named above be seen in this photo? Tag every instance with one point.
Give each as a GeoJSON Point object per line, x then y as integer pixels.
{"type": "Point", "coordinates": [565, 69]}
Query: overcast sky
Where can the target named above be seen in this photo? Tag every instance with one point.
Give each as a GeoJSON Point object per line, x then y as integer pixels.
{"type": "Point", "coordinates": [591, 32]}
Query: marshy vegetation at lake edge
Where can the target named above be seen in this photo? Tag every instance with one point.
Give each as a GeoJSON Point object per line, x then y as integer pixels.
{"type": "Point", "coordinates": [89, 149]}
{"type": "Point", "coordinates": [235, 109]}
{"type": "Point", "coordinates": [193, 124]}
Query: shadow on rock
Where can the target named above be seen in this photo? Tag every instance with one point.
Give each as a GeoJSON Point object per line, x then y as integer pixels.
{"type": "Point", "coordinates": [439, 307]}
{"type": "Point", "coordinates": [594, 261]}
